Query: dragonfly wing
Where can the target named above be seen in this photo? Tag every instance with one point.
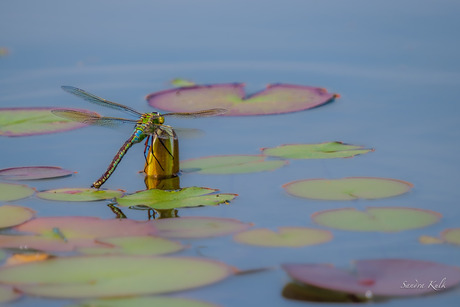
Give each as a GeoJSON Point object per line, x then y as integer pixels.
{"type": "Point", "coordinates": [91, 118]}
{"type": "Point", "coordinates": [203, 113]}
{"type": "Point", "coordinates": [98, 100]}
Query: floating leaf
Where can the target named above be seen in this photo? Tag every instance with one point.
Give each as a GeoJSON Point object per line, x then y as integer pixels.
{"type": "Point", "coordinates": [109, 276]}
{"type": "Point", "coordinates": [231, 164]}
{"type": "Point", "coordinates": [143, 302]}
{"type": "Point", "coordinates": [33, 121]}
{"type": "Point", "coordinates": [14, 215]}
{"type": "Point", "coordinates": [276, 98]}
{"type": "Point", "coordinates": [33, 172]}
{"type": "Point", "coordinates": [451, 235]}
{"type": "Point", "coordinates": [10, 191]}
{"type": "Point", "coordinates": [304, 292]}
{"type": "Point", "coordinates": [429, 240]}
{"type": "Point", "coordinates": [80, 227]}
{"type": "Point", "coordinates": [349, 188]}
{"type": "Point", "coordinates": [198, 227]}
{"type": "Point", "coordinates": [379, 277]}
{"type": "Point", "coordinates": [178, 82]}
{"type": "Point", "coordinates": [144, 245]}
{"type": "Point", "coordinates": [285, 237]}
{"type": "Point", "coordinates": [34, 242]}
{"type": "Point", "coordinates": [386, 219]}
{"type": "Point", "coordinates": [79, 194]}
{"type": "Point", "coordinates": [28, 257]}
{"type": "Point", "coordinates": [8, 294]}
{"type": "Point", "coordinates": [187, 197]}
{"type": "Point", "coordinates": [316, 151]}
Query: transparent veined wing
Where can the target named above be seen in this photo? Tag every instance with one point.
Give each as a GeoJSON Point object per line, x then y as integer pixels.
{"type": "Point", "coordinates": [203, 113]}
{"type": "Point", "coordinates": [91, 118]}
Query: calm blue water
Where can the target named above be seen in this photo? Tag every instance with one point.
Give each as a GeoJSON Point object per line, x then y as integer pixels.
{"type": "Point", "coordinates": [396, 65]}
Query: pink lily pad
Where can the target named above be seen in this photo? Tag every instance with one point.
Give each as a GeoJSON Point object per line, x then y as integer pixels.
{"type": "Point", "coordinates": [384, 219]}
{"type": "Point", "coordinates": [143, 302]}
{"type": "Point", "coordinates": [276, 98]}
{"type": "Point", "coordinates": [198, 227]}
{"type": "Point", "coordinates": [33, 172]}
{"type": "Point", "coordinates": [11, 215]}
{"type": "Point", "coordinates": [33, 121]}
{"type": "Point", "coordinates": [79, 194]}
{"type": "Point", "coordinates": [379, 277]}
{"type": "Point", "coordinates": [112, 276]}
{"type": "Point", "coordinates": [10, 191]}
{"type": "Point", "coordinates": [285, 237]}
{"type": "Point", "coordinates": [8, 294]}
{"type": "Point", "coordinates": [349, 188]}
{"type": "Point", "coordinates": [34, 242]}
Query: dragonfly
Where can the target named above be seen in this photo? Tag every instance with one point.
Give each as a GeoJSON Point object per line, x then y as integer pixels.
{"type": "Point", "coordinates": [146, 124]}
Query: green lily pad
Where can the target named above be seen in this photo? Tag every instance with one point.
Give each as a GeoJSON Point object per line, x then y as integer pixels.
{"type": "Point", "coordinates": [178, 82]}
{"type": "Point", "coordinates": [385, 219]}
{"type": "Point", "coordinates": [187, 197]}
{"type": "Point", "coordinates": [276, 98]}
{"type": "Point", "coordinates": [285, 237]}
{"type": "Point", "coordinates": [231, 164]}
{"type": "Point", "coordinates": [328, 150]}
{"type": "Point", "coordinates": [10, 191]}
{"type": "Point", "coordinates": [33, 121]}
{"type": "Point", "coordinates": [349, 188]}
{"type": "Point", "coordinates": [14, 215]}
{"type": "Point", "coordinates": [198, 227]}
{"type": "Point", "coordinates": [143, 302]}
{"type": "Point", "coordinates": [33, 172]}
{"type": "Point", "coordinates": [8, 294]}
{"type": "Point", "coordinates": [78, 194]}
{"type": "Point", "coordinates": [142, 245]}
{"type": "Point", "coordinates": [2, 255]}
{"type": "Point", "coordinates": [113, 275]}
{"type": "Point", "coordinates": [451, 235]}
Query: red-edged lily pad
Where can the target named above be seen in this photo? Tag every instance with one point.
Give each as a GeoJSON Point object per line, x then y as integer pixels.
{"type": "Point", "coordinates": [143, 302]}
{"type": "Point", "coordinates": [231, 164]}
{"type": "Point", "coordinates": [198, 227]}
{"type": "Point", "coordinates": [349, 188]}
{"type": "Point", "coordinates": [276, 98]}
{"type": "Point", "coordinates": [33, 172]}
{"type": "Point", "coordinates": [451, 235]}
{"type": "Point", "coordinates": [10, 191]}
{"type": "Point", "coordinates": [385, 219]}
{"type": "Point", "coordinates": [379, 277]}
{"type": "Point", "coordinates": [187, 197]}
{"type": "Point", "coordinates": [328, 150]}
{"type": "Point", "coordinates": [33, 121]}
{"type": "Point", "coordinates": [113, 275]}
{"type": "Point", "coordinates": [8, 294]}
{"type": "Point", "coordinates": [79, 194]}
{"type": "Point", "coordinates": [141, 245]}
{"type": "Point", "coordinates": [14, 215]}
{"type": "Point", "coordinates": [284, 237]}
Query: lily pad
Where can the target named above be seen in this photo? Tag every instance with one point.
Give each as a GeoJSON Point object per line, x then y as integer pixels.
{"type": "Point", "coordinates": [14, 215]}
{"type": "Point", "coordinates": [143, 245]}
{"type": "Point", "coordinates": [385, 219]}
{"type": "Point", "coordinates": [187, 197]}
{"type": "Point", "coordinates": [451, 235]}
{"type": "Point", "coordinates": [8, 294]}
{"type": "Point", "coordinates": [328, 150]}
{"type": "Point", "coordinates": [230, 164]}
{"type": "Point", "coordinates": [113, 275]}
{"type": "Point", "coordinates": [276, 98]}
{"type": "Point", "coordinates": [285, 237]}
{"type": "Point", "coordinates": [78, 194]}
{"type": "Point", "coordinates": [143, 302]}
{"type": "Point", "coordinates": [349, 188]}
{"type": "Point", "coordinates": [178, 82]}
{"type": "Point", "coordinates": [379, 277]}
{"type": "Point", "coordinates": [34, 242]}
{"type": "Point", "coordinates": [198, 227]}
{"type": "Point", "coordinates": [10, 191]}
{"type": "Point", "coordinates": [33, 121]}
{"type": "Point", "coordinates": [33, 172]}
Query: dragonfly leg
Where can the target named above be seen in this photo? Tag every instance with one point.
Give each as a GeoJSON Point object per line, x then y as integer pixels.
{"type": "Point", "coordinates": [163, 144]}
{"type": "Point", "coordinates": [147, 148]}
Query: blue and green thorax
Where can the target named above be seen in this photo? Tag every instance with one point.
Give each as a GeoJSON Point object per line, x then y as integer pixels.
{"type": "Point", "coordinates": [145, 124]}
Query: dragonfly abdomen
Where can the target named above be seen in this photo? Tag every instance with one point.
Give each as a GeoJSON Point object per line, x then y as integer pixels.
{"type": "Point", "coordinates": [113, 165]}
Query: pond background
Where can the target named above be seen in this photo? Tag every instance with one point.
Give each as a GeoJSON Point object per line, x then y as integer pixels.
{"type": "Point", "coordinates": [394, 63]}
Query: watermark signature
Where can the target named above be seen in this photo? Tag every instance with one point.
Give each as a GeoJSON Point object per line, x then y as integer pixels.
{"type": "Point", "coordinates": [435, 285]}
